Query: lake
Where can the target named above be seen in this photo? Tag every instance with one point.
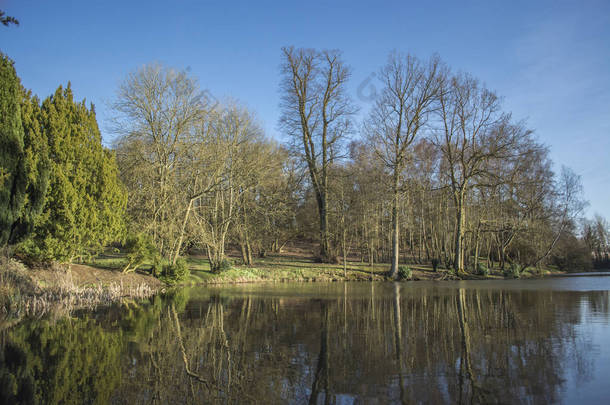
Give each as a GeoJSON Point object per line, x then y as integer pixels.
{"type": "Point", "coordinates": [519, 341]}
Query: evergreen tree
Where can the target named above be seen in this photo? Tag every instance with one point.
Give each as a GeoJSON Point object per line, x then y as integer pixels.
{"type": "Point", "coordinates": [37, 166]}
{"type": "Point", "coordinates": [85, 200]}
{"type": "Point", "coordinates": [12, 164]}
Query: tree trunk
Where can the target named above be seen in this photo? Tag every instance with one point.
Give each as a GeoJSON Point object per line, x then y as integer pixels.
{"type": "Point", "coordinates": [395, 229]}
{"type": "Point", "coordinates": [476, 248]}
{"type": "Point", "coordinates": [458, 258]}
{"type": "Point", "coordinates": [248, 250]}
{"type": "Point", "coordinates": [182, 230]}
{"type": "Point", "coordinates": [344, 254]}
{"type": "Point", "coordinates": [324, 237]}
{"type": "Point", "coordinates": [244, 254]}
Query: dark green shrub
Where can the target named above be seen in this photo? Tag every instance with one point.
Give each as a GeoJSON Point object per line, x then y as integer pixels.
{"type": "Point", "coordinates": [225, 265]}
{"type": "Point", "coordinates": [404, 272]}
{"type": "Point", "coordinates": [31, 254]}
{"type": "Point", "coordinates": [157, 266]}
{"type": "Point", "coordinates": [482, 269]}
{"type": "Point", "coordinates": [513, 271]}
{"type": "Point", "coordinates": [175, 273]}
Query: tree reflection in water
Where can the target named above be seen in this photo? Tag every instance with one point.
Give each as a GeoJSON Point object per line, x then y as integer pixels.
{"type": "Point", "coordinates": [331, 344]}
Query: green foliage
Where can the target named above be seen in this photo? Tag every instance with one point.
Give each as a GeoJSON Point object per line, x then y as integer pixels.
{"type": "Point", "coordinates": [157, 265]}
{"type": "Point", "coordinates": [140, 248]}
{"type": "Point", "coordinates": [13, 176]}
{"type": "Point", "coordinates": [404, 272]}
{"type": "Point", "coordinates": [85, 201]}
{"type": "Point", "coordinates": [513, 271]}
{"type": "Point", "coordinates": [7, 20]}
{"type": "Point", "coordinates": [175, 273]}
{"type": "Point", "coordinates": [482, 269]}
{"type": "Point", "coordinates": [37, 166]}
{"type": "Point", "coordinates": [225, 265]}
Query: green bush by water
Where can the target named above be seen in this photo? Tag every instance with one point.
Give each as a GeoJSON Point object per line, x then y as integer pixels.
{"type": "Point", "coordinates": [513, 271]}
{"type": "Point", "coordinates": [404, 272]}
{"type": "Point", "coordinates": [174, 273]}
{"type": "Point", "coordinates": [225, 265]}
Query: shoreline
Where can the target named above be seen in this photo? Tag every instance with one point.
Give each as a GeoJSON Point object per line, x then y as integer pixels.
{"type": "Point", "coordinates": [36, 291]}
{"type": "Point", "coordinates": [57, 288]}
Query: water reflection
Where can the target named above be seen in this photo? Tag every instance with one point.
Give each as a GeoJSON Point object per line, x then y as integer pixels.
{"type": "Point", "coordinates": [338, 343]}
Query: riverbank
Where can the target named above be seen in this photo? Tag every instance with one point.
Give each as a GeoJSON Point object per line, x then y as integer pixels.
{"type": "Point", "coordinates": [300, 268]}
{"type": "Point", "coordinates": [34, 290]}
{"type": "Point", "coordinates": [63, 288]}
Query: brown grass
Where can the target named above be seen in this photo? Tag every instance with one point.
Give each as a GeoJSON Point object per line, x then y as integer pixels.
{"type": "Point", "coordinates": [64, 288]}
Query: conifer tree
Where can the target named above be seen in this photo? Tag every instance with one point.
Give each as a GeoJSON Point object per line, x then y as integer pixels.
{"type": "Point", "coordinates": [12, 165]}
{"type": "Point", "coordinates": [85, 201]}
{"type": "Point", "coordinates": [37, 167]}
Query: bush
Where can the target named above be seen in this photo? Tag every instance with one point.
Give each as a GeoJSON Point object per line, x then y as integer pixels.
{"type": "Point", "coordinates": [174, 273]}
{"type": "Point", "coordinates": [404, 272]}
{"type": "Point", "coordinates": [31, 254]}
{"type": "Point", "coordinates": [482, 269]}
{"type": "Point", "coordinates": [225, 265]}
{"type": "Point", "coordinates": [157, 266]}
{"type": "Point", "coordinates": [513, 271]}
{"type": "Point", "coordinates": [140, 248]}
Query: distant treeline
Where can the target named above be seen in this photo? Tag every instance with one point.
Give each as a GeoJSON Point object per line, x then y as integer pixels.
{"type": "Point", "coordinates": [436, 172]}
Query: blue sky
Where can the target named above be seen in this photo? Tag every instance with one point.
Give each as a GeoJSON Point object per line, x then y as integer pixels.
{"type": "Point", "coordinates": [549, 59]}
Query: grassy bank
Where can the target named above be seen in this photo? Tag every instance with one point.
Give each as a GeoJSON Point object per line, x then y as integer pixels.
{"type": "Point", "coordinates": [290, 268]}
{"type": "Point", "coordinates": [36, 290]}
{"type": "Point", "coordinates": [299, 268]}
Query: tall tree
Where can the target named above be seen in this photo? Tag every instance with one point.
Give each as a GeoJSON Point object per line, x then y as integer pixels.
{"type": "Point", "coordinates": [409, 95]}
{"type": "Point", "coordinates": [86, 201]}
{"type": "Point", "coordinates": [156, 110]}
{"type": "Point", "coordinates": [316, 113]}
{"type": "Point", "coordinates": [37, 165]}
{"type": "Point", "coordinates": [473, 132]}
{"type": "Point", "coordinates": [565, 206]}
{"type": "Point", "coordinates": [242, 160]}
{"type": "Point", "coordinates": [13, 175]}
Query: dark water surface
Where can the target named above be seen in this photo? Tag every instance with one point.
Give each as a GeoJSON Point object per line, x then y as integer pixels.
{"type": "Point", "coordinates": [530, 341]}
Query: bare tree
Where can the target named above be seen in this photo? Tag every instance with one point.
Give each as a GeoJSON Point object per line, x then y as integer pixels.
{"type": "Point", "coordinates": [316, 113]}
{"type": "Point", "coordinates": [473, 131]}
{"type": "Point", "coordinates": [242, 159]}
{"type": "Point", "coordinates": [565, 207]}
{"type": "Point", "coordinates": [411, 89]}
{"type": "Point", "coordinates": [156, 109]}
{"type": "Point", "coordinates": [596, 235]}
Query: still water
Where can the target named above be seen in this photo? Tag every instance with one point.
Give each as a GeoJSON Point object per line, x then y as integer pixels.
{"type": "Point", "coordinates": [535, 341]}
